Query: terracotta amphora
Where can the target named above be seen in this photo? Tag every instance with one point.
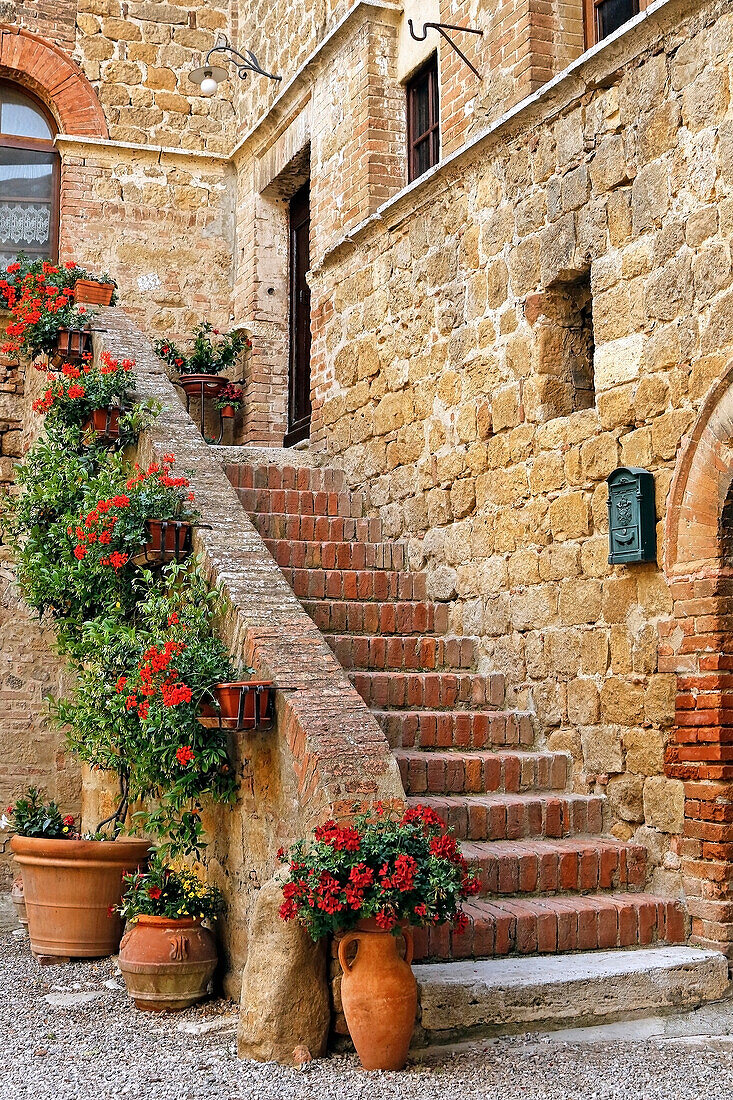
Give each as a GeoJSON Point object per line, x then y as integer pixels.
{"type": "Point", "coordinates": [71, 888]}
{"type": "Point", "coordinates": [167, 963]}
{"type": "Point", "coordinates": [379, 995]}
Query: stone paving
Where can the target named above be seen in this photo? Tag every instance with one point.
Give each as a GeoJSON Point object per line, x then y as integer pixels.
{"type": "Point", "coordinates": [71, 1034]}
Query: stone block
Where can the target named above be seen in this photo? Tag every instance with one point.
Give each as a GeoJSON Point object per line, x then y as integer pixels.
{"type": "Point", "coordinates": [622, 701]}
{"type": "Point", "coordinates": [580, 602]}
{"type": "Point", "coordinates": [602, 750]}
{"type": "Point", "coordinates": [664, 804]}
{"type": "Point", "coordinates": [570, 516]}
{"type": "Point", "coordinates": [584, 708]}
{"type": "Point", "coordinates": [644, 751]}
{"type": "Point", "coordinates": [618, 361]}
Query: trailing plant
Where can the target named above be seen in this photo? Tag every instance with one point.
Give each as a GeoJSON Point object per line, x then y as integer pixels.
{"type": "Point", "coordinates": [166, 891]}
{"type": "Point", "coordinates": [211, 351]}
{"type": "Point", "coordinates": [41, 307]}
{"type": "Point", "coordinates": [135, 706]}
{"type": "Point", "coordinates": [406, 869]}
{"type": "Point", "coordinates": [31, 816]}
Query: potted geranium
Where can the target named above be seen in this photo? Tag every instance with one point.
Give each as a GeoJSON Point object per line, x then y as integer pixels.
{"type": "Point", "coordinates": [201, 371]}
{"type": "Point", "coordinates": [45, 318]}
{"type": "Point", "coordinates": [168, 955]}
{"type": "Point", "coordinates": [71, 883]}
{"type": "Point", "coordinates": [230, 401]}
{"type": "Point", "coordinates": [240, 704]}
{"type": "Point", "coordinates": [368, 882]}
{"type": "Point", "coordinates": [92, 397]}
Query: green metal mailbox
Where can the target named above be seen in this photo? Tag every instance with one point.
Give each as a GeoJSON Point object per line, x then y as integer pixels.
{"type": "Point", "coordinates": [632, 532]}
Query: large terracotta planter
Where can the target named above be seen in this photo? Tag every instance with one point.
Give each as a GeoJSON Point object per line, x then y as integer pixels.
{"type": "Point", "coordinates": [167, 964]}
{"type": "Point", "coordinates": [18, 898]}
{"type": "Point", "coordinates": [243, 705]}
{"type": "Point", "coordinates": [94, 292]}
{"type": "Point", "coordinates": [379, 996]}
{"type": "Point", "coordinates": [70, 887]}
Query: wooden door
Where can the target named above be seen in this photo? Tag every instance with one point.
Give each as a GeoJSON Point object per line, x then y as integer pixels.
{"type": "Point", "coordinates": [299, 389]}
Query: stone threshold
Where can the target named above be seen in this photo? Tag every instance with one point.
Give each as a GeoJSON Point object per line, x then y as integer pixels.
{"type": "Point", "coordinates": [474, 998]}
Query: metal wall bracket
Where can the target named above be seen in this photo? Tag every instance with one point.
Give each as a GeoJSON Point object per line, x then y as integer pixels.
{"type": "Point", "coordinates": [441, 28]}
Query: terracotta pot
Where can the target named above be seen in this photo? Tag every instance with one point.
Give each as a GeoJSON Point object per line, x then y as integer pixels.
{"type": "Point", "coordinates": [379, 995]}
{"type": "Point", "coordinates": [228, 412]}
{"type": "Point", "coordinates": [69, 887]}
{"type": "Point", "coordinates": [72, 344]}
{"type": "Point", "coordinates": [94, 292]}
{"type": "Point", "coordinates": [170, 540]}
{"type": "Point", "coordinates": [167, 964]}
{"type": "Point", "coordinates": [18, 899]}
{"type": "Point", "coordinates": [210, 385]}
{"type": "Point", "coordinates": [243, 705]}
{"type": "Point", "coordinates": [105, 422]}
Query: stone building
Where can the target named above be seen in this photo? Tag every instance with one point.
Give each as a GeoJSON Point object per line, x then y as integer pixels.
{"type": "Point", "coordinates": [476, 286]}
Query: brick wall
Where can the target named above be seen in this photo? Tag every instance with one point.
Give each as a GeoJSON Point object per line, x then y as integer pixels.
{"type": "Point", "coordinates": [435, 359]}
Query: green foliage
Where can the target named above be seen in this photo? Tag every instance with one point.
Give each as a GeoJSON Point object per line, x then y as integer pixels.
{"type": "Point", "coordinates": [211, 352]}
{"type": "Point", "coordinates": [164, 891]}
{"type": "Point", "coordinates": [395, 870]}
{"type": "Point", "coordinates": [31, 816]}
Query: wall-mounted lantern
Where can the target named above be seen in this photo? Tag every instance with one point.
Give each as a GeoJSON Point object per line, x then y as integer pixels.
{"type": "Point", "coordinates": [209, 76]}
{"type": "Point", "coordinates": [632, 534]}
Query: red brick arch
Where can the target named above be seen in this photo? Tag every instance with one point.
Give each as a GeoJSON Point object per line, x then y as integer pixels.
{"type": "Point", "coordinates": [45, 69]}
{"type": "Point", "coordinates": [697, 645]}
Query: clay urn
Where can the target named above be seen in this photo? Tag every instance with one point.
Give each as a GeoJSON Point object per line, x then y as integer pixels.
{"type": "Point", "coordinates": [167, 963]}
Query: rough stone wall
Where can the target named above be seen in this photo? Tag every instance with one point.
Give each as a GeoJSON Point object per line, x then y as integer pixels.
{"type": "Point", "coordinates": [31, 751]}
{"type": "Point", "coordinates": [439, 378]}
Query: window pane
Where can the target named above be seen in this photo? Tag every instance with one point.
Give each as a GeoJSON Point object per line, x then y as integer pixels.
{"type": "Point", "coordinates": [421, 158]}
{"type": "Point", "coordinates": [422, 107]}
{"type": "Point", "coordinates": [612, 14]}
{"type": "Point", "coordinates": [26, 203]}
{"type": "Point", "coordinates": [20, 116]}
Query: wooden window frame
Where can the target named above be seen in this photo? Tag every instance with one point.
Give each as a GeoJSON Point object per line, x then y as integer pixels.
{"type": "Point", "coordinates": [40, 145]}
{"type": "Point", "coordinates": [590, 20]}
{"type": "Point", "coordinates": [431, 135]}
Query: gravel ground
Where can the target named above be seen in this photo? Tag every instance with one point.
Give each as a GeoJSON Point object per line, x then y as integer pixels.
{"type": "Point", "coordinates": [70, 1033]}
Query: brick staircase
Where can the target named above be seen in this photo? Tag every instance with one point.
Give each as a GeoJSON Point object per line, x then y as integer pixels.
{"type": "Point", "coordinates": [551, 881]}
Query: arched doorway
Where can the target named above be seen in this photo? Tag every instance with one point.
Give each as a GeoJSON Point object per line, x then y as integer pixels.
{"type": "Point", "coordinates": [29, 177]}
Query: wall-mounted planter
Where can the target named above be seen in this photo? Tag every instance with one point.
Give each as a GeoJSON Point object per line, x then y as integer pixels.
{"type": "Point", "coordinates": [241, 705]}
{"type": "Point", "coordinates": [105, 423]}
{"type": "Point", "coordinates": [202, 385]}
{"type": "Point", "coordinates": [168, 540]}
{"type": "Point", "coordinates": [72, 344]}
{"type": "Point", "coordinates": [94, 292]}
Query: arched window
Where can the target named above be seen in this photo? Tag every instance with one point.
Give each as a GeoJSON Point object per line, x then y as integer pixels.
{"type": "Point", "coordinates": [29, 177]}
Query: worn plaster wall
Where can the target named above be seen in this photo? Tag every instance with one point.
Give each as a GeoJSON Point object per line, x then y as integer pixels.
{"type": "Point", "coordinates": [438, 369]}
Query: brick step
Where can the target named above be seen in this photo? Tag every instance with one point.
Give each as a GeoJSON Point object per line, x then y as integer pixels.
{"type": "Point", "coordinates": [482, 772]}
{"type": "Point", "coordinates": [548, 925]}
{"type": "Point", "coordinates": [514, 816]}
{"type": "Point", "coordinates": [317, 528]}
{"type": "Point", "coordinates": [293, 502]}
{"type": "Point", "coordinates": [430, 690]}
{"type": "Point", "coordinates": [355, 584]}
{"type": "Point", "coordinates": [303, 478]}
{"type": "Point", "coordinates": [397, 651]}
{"type": "Point", "coordinates": [577, 864]}
{"type": "Point", "coordinates": [337, 555]}
{"type": "Point", "coordinates": [460, 729]}
{"type": "Point", "coordinates": [374, 617]}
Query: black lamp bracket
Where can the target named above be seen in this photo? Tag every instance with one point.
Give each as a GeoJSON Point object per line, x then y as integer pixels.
{"type": "Point", "coordinates": [243, 62]}
{"type": "Point", "coordinates": [441, 28]}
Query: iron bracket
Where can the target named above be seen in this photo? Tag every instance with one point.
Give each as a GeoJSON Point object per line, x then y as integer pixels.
{"type": "Point", "coordinates": [243, 62]}
{"type": "Point", "coordinates": [441, 28]}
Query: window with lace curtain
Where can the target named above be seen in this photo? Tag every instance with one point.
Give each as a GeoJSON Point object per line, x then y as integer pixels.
{"type": "Point", "coordinates": [29, 177]}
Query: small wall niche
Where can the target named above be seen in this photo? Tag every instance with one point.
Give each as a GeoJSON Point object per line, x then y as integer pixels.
{"type": "Point", "coordinates": [563, 350]}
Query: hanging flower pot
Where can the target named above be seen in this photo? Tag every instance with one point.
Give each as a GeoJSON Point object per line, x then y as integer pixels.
{"type": "Point", "coordinates": [202, 385]}
{"type": "Point", "coordinates": [72, 344]}
{"type": "Point", "coordinates": [242, 705]}
{"type": "Point", "coordinates": [94, 291]}
{"type": "Point", "coordinates": [167, 962]}
{"type": "Point", "coordinates": [379, 995]}
{"type": "Point", "coordinates": [228, 412]}
{"type": "Point", "coordinates": [71, 889]}
{"type": "Point", "coordinates": [168, 540]}
{"type": "Point", "coordinates": [105, 423]}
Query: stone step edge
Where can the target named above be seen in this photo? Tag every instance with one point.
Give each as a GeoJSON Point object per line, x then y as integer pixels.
{"type": "Point", "coordinates": [469, 999]}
